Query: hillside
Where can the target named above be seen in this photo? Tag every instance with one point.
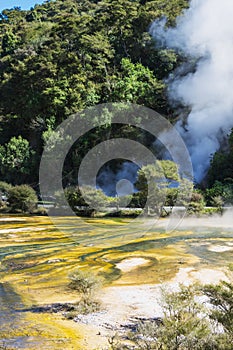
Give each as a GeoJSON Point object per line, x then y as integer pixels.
{"type": "Point", "coordinates": [63, 56]}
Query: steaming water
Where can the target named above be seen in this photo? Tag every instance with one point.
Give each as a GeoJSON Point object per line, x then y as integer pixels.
{"type": "Point", "coordinates": [204, 33]}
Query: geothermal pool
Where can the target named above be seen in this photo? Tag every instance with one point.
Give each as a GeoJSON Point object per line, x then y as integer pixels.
{"type": "Point", "coordinates": [36, 258]}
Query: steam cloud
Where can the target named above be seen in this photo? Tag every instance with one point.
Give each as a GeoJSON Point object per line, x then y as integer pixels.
{"type": "Point", "coordinates": [204, 32]}
{"type": "Point", "coordinates": [119, 181]}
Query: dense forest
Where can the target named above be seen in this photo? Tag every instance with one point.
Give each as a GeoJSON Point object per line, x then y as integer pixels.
{"type": "Point", "coordinates": [63, 56]}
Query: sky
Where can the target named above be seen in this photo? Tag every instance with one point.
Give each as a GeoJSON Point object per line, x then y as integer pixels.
{"type": "Point", "coordinates": [24, 4]}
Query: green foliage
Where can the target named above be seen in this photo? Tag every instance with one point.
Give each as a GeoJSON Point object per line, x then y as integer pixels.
{"type": "Point", "coordinates": [74, 197]}
{"type": "Point", "coordinates": [219, 194]}
{"type": "Point", "coordinates": [64, 60]}
{"type": "Point", "coordinates": [5, 187]}
{"type": "Point", "coordinates": [88, 200]}
{"type": "Point", "coordinates": [197, 203]}
{"type": "Point", "coordinates": [9, 43]}
{"type": "Point", "coordinates": [221, 296]}
{"type": "Point", "coordinates": [120, 201]}
{"type": "Point", "coordinates": [187, 323]}
{"type": "Point", "coordinates": [86, 196]}
{"type": "Point", "coordinates": [171, 196]}
{"type": "Point", "coordinates": [22, 198]}
{"type": "Point", "coordinates": [15, 159]}
{"type": "Point", "coordinates": [86, 283]}
{"type": "Point", "coordinates": [170, 170]}
{"type": "Point", "coordinates": [94, 197]}
{"type": "Point", "coordinates": [185, 192]}
{"type": "Point", "coordinates": [84, 307]}
{"type": "Point", "coordinates": [183, 327]}
{"type": "Point", "coordinates": [138, 200]}
{"type": "Point", "coordinates": [137, 84]}
{"type": "Point", "coordinates": [61, 57]}
{"type": "Point", "coordinates": [4, 190]}
{"type": "Point", "coordinates": [40, 211]}
{"type": "Point", "coordinates": [158, 176]}
{"type": "Point", "coordinates": [222, 160]}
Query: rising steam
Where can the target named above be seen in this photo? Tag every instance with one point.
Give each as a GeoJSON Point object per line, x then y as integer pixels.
{"type": "Point", "coordinates": [204, 32]}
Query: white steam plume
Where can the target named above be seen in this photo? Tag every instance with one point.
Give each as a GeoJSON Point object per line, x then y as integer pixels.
{"type": "Point", "coordinates": [113, 181]}
{"type": "Point", "coordinates": [205, 32]}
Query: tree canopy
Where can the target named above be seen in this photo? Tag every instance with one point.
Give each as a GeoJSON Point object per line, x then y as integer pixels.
{"type": "Point", "coordinates": [63, 56]}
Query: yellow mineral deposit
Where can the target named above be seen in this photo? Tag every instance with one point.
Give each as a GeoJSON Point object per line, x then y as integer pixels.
{"type": "Point", "coordinates": [36, 259]}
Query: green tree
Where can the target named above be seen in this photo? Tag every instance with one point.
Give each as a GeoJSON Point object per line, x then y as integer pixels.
{"type": "Point", "coordinates": [63, 56]}
{"type": "Point", "coordinates": [4, 190]}
{"type": "Point", "coordinates": [86, 196]}
{"type": "Point", "coordinates": [16, 160]}
{"type": "Point", "coordinates": [185, 192]}
{"type": "Point", "coordinates": [197, 203]}
{"type": "Point", "coordinates": [22, 198]}
{"type": "Point", "coordinates": [137, 84]}
{"type": "Point", "coordinates": [74, 197]}
{"type": "Point", "coordinates": [184, 326]}
{"type": "Point", "coordinates": [223, 159]}
{"type": "Point", "coordinates": [84, 282]}
{"type": "Point", "coordinates": [95, 198]}
{"type": "Point", "coordinates": [219, 193]}
{"type": "Point", "coordinates": [158, 176]}
{"type": "Point", "coordinates": [221, 297]}
{"type": "Point", "coordinates": [9, 43]}
{"type": "Point", "coordinates": [5, 187]}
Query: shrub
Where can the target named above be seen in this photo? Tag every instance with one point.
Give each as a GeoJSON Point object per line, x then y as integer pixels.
{"type": "Point", "coordinates": [4, 190]}
{"type": "Point", "coordinates": [221, 296]}
{"type": "Point", "coordinates": [40, 211]}
{"type": "Point", "coordinates": [187, 323]}
{"type": "Point", "coordinates": [197, 203]}
{"type": "Point", "coordinates": [5, 187]}
{"type": "Point", "coordinates": [86, 284]}
{"type": "Point", "coordinates": [22, 198]}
